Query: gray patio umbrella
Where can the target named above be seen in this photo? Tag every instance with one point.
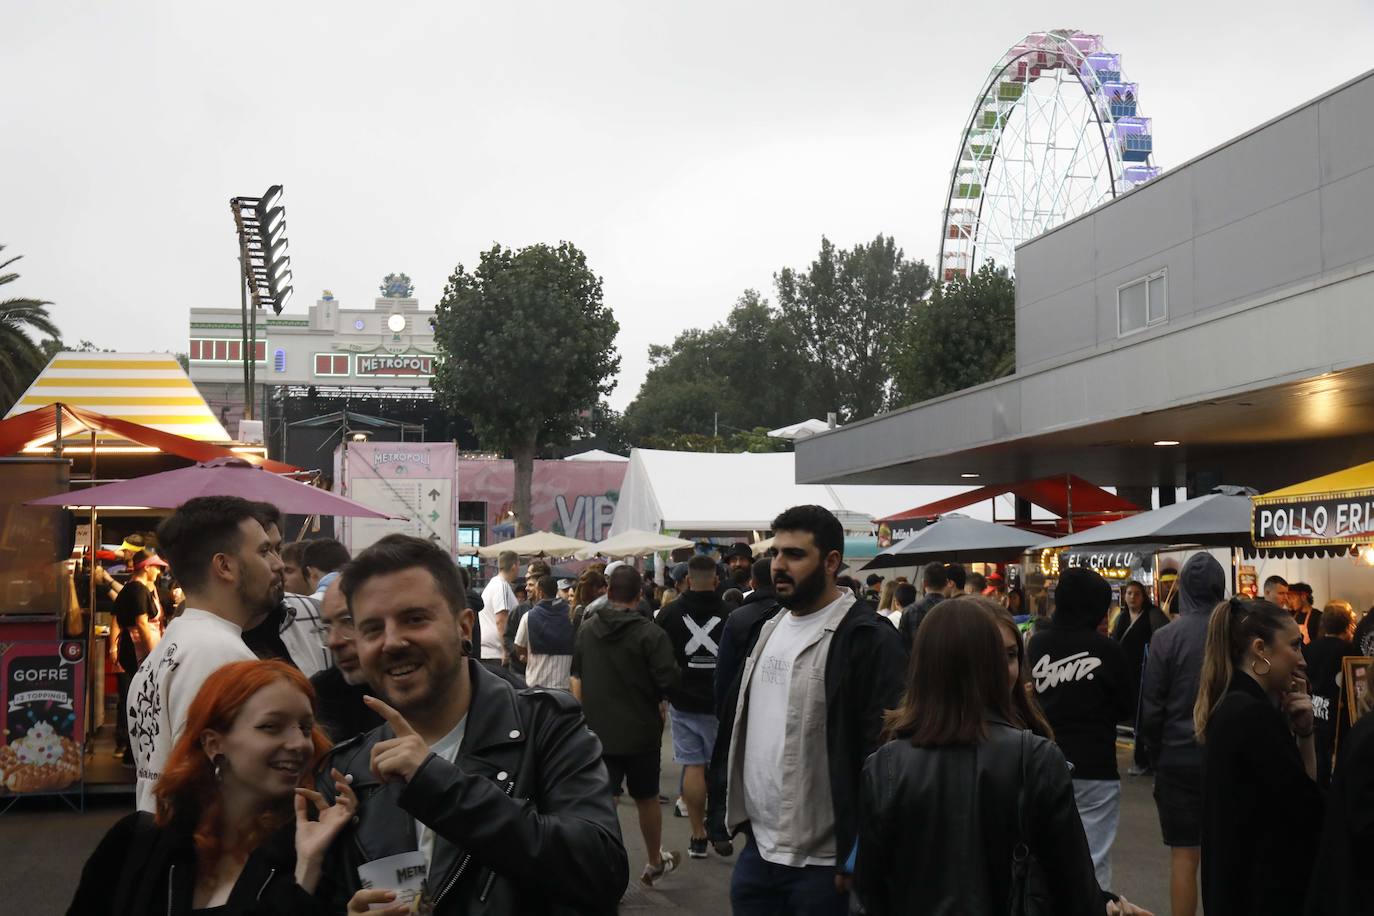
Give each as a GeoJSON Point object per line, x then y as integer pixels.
{"type": "Point", "coordinates": [1219, 519]}
{"type": "Point", "coordinates": [958, 539]}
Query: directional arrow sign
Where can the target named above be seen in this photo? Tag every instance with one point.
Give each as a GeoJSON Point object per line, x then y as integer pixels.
{"type": "Point", "coordinates": [434, 495]}
{"type": "Point", "coordinates": [434, 516]}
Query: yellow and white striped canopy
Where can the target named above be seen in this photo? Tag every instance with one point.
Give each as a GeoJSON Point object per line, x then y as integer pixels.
{"type": "Point", "coordinates": [147, 388]}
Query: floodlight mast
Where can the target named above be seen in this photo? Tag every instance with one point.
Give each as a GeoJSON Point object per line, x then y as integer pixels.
{"type": "Point", "coordinates": [264, 272]}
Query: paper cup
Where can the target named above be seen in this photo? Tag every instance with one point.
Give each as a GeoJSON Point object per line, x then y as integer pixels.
{"type": "Point", "coordinates": [403, 873]}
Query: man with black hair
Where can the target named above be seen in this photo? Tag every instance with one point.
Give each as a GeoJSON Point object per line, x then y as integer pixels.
{"type": "Point", "coordinates": [226, 565]}
{"type": "Point", "coordinates": [956, 577]}
{"type": "Point", "coordinates": [975, 584]}
{"type": "Point", "coordinates": [1084, 685]}
{"type": "Point", "coordinates": [622, 671]}
{"type": "Point", "coordinates": [693, 623]}
{"type": "Point", "coordinates": [322, 558]}
{"type": "Point", "coordinates": [544, 637]}
{"type": "Point", "coordinates": [502, 791]}
{"type": "Point", "coordinates": [287, 626]}
{"type": "Point", "coordinates": [873, 589]}
{"type": "Point", "coordinates": [293, 573]}
{"type": "Point", "coordinates": [935, 582]}
{"type": "Point", "coordinates": [1276, 591]}
{"type": "Point", "coordinates": [797, 751]}
{"type": "Point", "coordinates": [530, 597]}
{"type": "Point", "coordinates": [1308, 618]}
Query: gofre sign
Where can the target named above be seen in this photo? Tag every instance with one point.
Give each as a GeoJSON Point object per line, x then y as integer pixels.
{"type": "Point", "coordinates": [416, 365]}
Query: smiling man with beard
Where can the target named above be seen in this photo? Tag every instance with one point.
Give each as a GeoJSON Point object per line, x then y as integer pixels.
{"type": "Point", "coordinates": [501, 791]}
{"type": "Point", "coordinates": [827, 667]}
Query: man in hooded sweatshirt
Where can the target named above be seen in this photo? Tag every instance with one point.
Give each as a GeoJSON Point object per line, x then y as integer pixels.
{"type": "Point", "coordinates": [1084, 685]}
{"type": "Point", "coordinates": [1172, 673]}
{"type": "Point", "coordinates": [622, 670]}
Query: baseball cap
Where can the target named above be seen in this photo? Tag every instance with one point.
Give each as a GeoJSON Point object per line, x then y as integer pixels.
{"type": "Point", "coordinates": [873, 579]}
{"type": "Point", "coordinates": [616, 564]}
{"type": "Point", "coordinates": [740, 549]}
{"type": "Point", "coordinates": [678, 572]}
{"type": "Point", "coordinates": [566, 583]}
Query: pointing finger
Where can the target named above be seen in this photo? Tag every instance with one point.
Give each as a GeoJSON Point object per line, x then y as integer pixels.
{"type": "Point", "coordinates": [397, 721]}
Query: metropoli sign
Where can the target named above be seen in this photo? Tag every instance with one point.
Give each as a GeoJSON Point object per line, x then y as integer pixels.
{"type": "Point", "coordinates": [1334, 519]}
{"type": "Point", "coordinates": [419, 365]}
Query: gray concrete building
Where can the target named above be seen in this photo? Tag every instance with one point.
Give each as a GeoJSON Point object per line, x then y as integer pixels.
{"type": "Point", "coordinates": [1213, 326]}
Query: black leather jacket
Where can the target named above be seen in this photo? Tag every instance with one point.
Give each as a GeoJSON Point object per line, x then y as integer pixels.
{"type": "Point", "coordinates": [953, 810]}
{"type": "Point", "coordinates": [524, 821]}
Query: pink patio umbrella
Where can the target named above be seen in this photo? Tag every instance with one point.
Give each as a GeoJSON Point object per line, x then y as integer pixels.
{"type": "Point", "coordinates": [220, 477]}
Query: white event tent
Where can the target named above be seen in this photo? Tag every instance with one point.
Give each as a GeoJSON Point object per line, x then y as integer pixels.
{"type": "Point", "coordinates": [698, 494]}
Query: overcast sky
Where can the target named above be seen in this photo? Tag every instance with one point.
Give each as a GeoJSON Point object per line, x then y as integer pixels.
{"type": "Point", "coordinates": [691, 149]}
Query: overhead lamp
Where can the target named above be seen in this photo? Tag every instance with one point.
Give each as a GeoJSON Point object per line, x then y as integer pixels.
{"type": "Point", "coordinates": [360, 437]}
{"type": "Point", "coordinates": [968, 475]}
{"type": "Point", "coordinates": [1166, 442]}
{"type": "Point", "coordinates": [1365, 555]}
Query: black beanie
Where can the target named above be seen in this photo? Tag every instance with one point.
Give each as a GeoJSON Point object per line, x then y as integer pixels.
{"type": "Point", "coordinates": [1082, 596]}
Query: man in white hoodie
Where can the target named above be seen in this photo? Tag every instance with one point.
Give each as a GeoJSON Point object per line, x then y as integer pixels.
{"type": "Point", "coordinates": [225, 563]}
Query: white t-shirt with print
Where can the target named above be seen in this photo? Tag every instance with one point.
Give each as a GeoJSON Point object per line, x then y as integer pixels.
{"type": "Point", "coordinates": [497, 596]}
{"type": "Point", "coordinates": [447, 748]}
{"type": "Point", "coordinates": [196, 645]}
{"type": "Point", "coordinates": [765, 740]}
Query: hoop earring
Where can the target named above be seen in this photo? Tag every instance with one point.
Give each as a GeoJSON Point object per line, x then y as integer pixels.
{"type": "Point", "coordinates": [1268, 666]}
{"type": "Point", "coordinates": [219, 767]}
{"type": "Point", "coordinates": [467, 648]}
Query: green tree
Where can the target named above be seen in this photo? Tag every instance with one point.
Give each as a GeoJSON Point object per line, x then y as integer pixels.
{"type": "Point", "coordinates": [848, 310]}
{"type": "Point", "coordinates": [747, 371]}
{"type": "Point", "coordinates": [964, 336]}
{"type": "Point", "coordinates": [526, 350]}
{"type": "Point", "coordinates": [21, 356]}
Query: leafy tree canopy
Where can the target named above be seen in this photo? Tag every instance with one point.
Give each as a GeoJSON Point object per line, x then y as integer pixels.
{"type": "Point", "coordinates": [964, 336]}
{"type": "Point", "coordinates": [848, 310]}
{"type": "Point", "coordinates": [22, 356]}
{"type": "Point", "coordinates": [746, 372]}
{"type": "Point", "coordinates": [526, 350]}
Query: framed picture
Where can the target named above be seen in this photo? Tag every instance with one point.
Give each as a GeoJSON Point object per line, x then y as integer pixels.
{"type": "Point", "coordinates": [1355, 676]}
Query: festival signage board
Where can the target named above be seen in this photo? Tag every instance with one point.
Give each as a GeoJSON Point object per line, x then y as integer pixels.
{"type": "Point", "coordinates": [573, 498]}
{"type": "Point", "coordinates": [1326, 520]}
{"type": "Point", "coordinates": [42, 694]}
{"type": "Point", "coordinates": [411, 365]}
{"type": "Point", "coordinates": [414, 480]}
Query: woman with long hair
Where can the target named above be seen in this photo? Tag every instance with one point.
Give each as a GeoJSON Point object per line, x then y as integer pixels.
{"type": "Point", "coordinates": [1261, 807]}
{"type": "Point", "coordinates": [232, 833]}
{"type": "Point", "coordinates": [961, 788]}
{"type": "Point", "coordinates": [135, 631]}
{"type": "Point", "coordinates": [590, 586]}
{"type": "Point", "coordinates": [1026, 711]}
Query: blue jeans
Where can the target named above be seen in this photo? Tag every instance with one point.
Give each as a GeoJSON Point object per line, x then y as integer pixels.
{"type": "Point", "coordinates": [1099, 808]}
{"type": "Point", "coordinates": [759, 888]}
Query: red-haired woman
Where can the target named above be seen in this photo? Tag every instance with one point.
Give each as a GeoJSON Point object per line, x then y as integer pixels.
{"type": "Point", "coordinates": [224, 840]}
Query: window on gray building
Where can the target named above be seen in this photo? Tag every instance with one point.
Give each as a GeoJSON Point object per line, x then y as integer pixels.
{"type": "Point", "coordinates": [1141, 303]}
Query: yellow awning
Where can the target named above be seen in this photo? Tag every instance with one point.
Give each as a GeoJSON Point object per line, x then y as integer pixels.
{"type": "Point", "coordinates": [146, 388]}
{"type": "Point", "coordinates": [1351, 480]}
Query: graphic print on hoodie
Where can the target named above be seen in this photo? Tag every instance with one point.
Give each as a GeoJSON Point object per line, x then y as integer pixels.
{"type": "Point", "coordinates": [1081, 677]}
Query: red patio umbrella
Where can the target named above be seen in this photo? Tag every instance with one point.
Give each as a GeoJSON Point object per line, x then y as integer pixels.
{"type": "Point", "coordinates": [220, 477]}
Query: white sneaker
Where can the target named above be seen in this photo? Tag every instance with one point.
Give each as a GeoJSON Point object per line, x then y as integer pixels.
{"type": "Point", "coordinates": [669, 862]}
{"type": "Point", "coordinates": [680, 809]}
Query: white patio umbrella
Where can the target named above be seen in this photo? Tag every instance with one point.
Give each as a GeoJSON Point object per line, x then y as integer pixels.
{"type": "Point", "coordinates": [633, 543]}
{"type": "Point", "coordinates": [536, 544]}
{"type": "Point", "coordinates": [761, 547]}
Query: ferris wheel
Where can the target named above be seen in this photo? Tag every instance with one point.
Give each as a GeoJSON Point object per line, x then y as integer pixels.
{"type": "Point", "coordinates": [1054, 132]}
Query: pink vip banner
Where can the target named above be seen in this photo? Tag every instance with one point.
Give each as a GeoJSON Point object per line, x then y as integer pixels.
{"type": "Point", "coordinates": [575, 498]}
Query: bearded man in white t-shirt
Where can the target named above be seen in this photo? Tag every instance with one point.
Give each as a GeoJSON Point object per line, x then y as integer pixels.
{"type": "Point", "coordinates": [226, 565]}
{"type": "Point", "coordinates": [809, 711]}
{"type": "Point", "coordinates": [498, 601]}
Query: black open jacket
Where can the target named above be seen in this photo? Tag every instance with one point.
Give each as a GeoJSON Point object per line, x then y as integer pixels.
{"type": "Point", "coordinates": [937, 827]}
{"type": "Point", "coordinates": [864, 677]}
{"type": "Point", "coordinates": [1261, 812]}
{"type": "Point", "coordinates": [140, 868]}
{"type": "Point", "coordinates": [524, 821]}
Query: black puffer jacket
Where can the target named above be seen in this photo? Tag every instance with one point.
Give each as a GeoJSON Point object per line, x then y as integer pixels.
{"type": "Point", "coordinates": [524, 821]}
{"type": "Point", "coordinates": [1174, 666]}
{"type": "Point", "coordinates": [953, 810]}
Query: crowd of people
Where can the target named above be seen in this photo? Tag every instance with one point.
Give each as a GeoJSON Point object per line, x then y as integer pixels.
{"type": "Point", "coordinates": [318, 733]}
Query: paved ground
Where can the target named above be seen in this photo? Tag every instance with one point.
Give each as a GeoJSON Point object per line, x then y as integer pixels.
{"type": "Point", "coordinates": [43, 845]}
